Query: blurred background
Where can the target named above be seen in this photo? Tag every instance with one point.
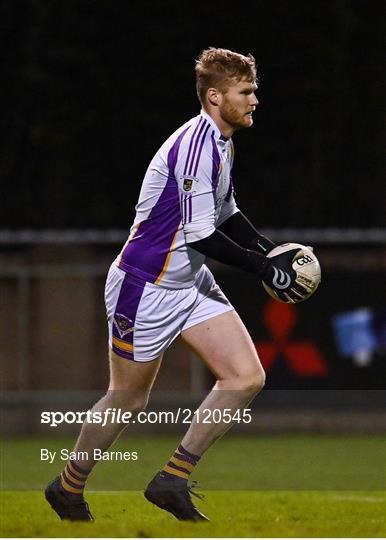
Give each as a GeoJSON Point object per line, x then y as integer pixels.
{"type": "Point", "coordinates": [91, 90]}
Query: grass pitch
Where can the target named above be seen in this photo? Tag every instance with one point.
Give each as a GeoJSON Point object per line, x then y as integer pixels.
{"type": "Point", "coordinates": [300, 486]}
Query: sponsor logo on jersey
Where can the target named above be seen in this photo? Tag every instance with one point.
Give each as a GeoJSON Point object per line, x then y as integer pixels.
{"type": "Point", "coordinates": [123, 324]}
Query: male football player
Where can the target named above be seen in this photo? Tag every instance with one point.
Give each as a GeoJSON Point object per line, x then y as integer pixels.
{"type": "Point", "coordinates": [159, 286]}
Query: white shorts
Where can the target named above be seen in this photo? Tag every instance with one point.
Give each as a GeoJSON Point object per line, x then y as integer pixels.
{"type": "Point", "coordinates": [145, 318]}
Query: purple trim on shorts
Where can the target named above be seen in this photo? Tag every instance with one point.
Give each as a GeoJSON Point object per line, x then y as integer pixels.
{"type": "Point", "coordinates": [195, 146]}
{"type": "Point", "coordinates": [215, 163]}
{"type": "Point", "coordinates": [123, 354]}
{"type": "Point", "coordinates": [200, 150]}
{"type": "Point", "coordinates": [190, 144]}
{"type": "Point", "coordinates": [151, 244]}
{"type": "Point", "coordinates": [130, 295]}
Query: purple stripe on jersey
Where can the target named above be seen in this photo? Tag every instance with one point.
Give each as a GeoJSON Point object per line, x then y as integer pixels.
{"type": "Point", "coordinates": [195, 146]}
{"type": "Point", "coordinates": [173, 153]}
{"type": "Point", "coordinates": [190, 144]}
{"type": "Point", "coordinates": [190, 209]}
{"type": "Point", "coordinates": [126, 312]}
{"type": "Point", "coordinates": [215, 163]}
{"type": "Point", "coordinates": [187, 208]}
{"type": "Point", "coordinates": [199, 152]}
{"type": "Point", "coordinates": [148, 249]}
{"type": "Point", "coordinates": [230, 189]}
{"type": "Point", "coordinates": [182, 207]}
{"type": "Point", "coordinates": [184, 210]}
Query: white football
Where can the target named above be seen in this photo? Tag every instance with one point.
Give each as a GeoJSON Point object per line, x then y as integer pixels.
{"type": "Point", "coordinates": [306, 266]}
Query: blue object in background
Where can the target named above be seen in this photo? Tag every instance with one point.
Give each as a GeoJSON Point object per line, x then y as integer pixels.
{"type": "Point", "coordinates": [355, 336]}
{"type": "Point", "coordinates": [379, 326]}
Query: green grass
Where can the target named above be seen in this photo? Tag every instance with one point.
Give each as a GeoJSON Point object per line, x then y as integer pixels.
{"type": "Point", "coordinates": [283, 486]}
{"type": "Point", "coordinates": [233, 514]}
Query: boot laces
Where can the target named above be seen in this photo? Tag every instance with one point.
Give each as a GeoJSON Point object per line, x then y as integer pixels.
{"type": "Point", "coordinates": [192, 486]}
{"type": "Point", "coordinates": [81, 505]}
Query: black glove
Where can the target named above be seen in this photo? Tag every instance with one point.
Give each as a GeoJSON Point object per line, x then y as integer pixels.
{"type": "Point", "coordinates": [279, 275]}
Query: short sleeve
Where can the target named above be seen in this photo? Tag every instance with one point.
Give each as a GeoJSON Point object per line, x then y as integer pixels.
{"type": "Point", "coordinates": [195, 172]}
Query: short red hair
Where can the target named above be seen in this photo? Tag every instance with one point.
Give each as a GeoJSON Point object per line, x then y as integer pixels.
{"type": "Point", "coordinates": [215, 68]}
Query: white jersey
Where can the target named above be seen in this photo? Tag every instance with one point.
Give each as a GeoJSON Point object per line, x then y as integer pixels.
{"type": "Point", "coordinates": [187, 192]}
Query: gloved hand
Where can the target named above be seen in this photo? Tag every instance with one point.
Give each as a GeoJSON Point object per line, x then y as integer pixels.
{"type": "Point", "coordinates": [279, 275]}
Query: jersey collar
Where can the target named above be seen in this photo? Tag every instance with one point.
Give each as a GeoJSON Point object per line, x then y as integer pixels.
{"type": "Point", "coordinates": [217, 133]}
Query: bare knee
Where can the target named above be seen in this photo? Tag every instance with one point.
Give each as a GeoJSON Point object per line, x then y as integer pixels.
{"type": "Point", "coordinates": [127, 400]}
{"type": "Point", "coordinates": [251, 381]}
{"type": "Point", "coordinates": [257, 380]}
{"type": "Point", "coordinates": [138, 404]}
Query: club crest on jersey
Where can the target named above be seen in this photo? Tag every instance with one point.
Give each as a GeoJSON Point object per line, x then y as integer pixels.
{"type": "Point", "coordinates": [188, 184]}
{"type": "Point", "coordinates": [123, 324]}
